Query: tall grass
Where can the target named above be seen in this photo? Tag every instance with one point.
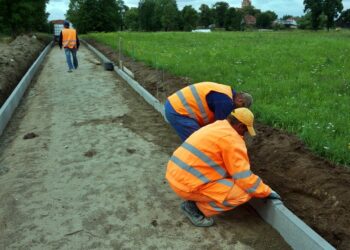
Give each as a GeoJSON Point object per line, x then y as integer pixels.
{"type": "Point", "coordinates": [300, 80]}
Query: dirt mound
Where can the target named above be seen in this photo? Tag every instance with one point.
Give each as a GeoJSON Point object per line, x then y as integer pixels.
{"type": "Point", "coordinates": [15, 59]}
{"type": "Point", "coordinates": [313, 188]}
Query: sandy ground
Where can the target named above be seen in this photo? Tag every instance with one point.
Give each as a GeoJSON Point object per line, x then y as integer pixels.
{"type": "Point", "coordinates": [93, 176]}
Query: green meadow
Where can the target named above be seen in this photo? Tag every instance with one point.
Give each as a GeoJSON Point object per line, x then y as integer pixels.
{"type": "Point", "coordinates": [300, 81]}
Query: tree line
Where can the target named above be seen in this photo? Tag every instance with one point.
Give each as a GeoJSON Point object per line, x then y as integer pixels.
{"type": "Point", "coordinates": [164, 15]}
{"type": "Point", "coordinates": [21, 16]}
{"type": "Point", "coordinates": [160, 15]}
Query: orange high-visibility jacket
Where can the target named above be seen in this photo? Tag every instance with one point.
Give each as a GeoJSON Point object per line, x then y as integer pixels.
{"type": "Point", "coordinates": [212, 154]}
{"type": "Point", "coordinates": [69, 38]}
{"type": "Point", "coordinates": [190, 101]}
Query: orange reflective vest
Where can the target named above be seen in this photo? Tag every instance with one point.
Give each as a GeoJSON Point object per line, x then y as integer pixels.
{"type": "Point", "coordinates": [69, 38]}
{"type": "Point", "coordinates": [211, 155]}
{"type": "Point", "coordinates": [191, 100]}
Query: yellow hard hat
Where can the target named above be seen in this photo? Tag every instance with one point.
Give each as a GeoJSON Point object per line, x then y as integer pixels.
{"type": "Point", "coordinates": [245, 116]}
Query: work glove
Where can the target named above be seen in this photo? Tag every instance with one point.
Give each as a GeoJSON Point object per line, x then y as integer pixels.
{"type": "Point", "coordinates": [274, 196]}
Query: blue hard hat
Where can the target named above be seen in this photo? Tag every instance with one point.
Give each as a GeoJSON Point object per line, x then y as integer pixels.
{"type": "Point", "coordinates": [66, 23]}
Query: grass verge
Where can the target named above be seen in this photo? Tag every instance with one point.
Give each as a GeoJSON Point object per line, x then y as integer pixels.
{"type": "Point", "coordinates": [300, 80]}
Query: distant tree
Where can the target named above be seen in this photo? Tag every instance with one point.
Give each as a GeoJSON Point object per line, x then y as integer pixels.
{"type": "Point", "coordinates": [19, 16]}
{"type": "Point", "coordinates": [304, 22]}
{"type": "Point", "coordinates": [237, 21]}
{"type": "Point", "coordinates": [219, 10]}
{"type": "Point", "coordinates": [331, 8]}
{"type": "Point", "coordinates": [205, 16]}
{"type": "Point", "coordinates": [166, 17]}
{"type": "Point", "coordinates": [344, 19]}
{"type": "Point", "coordinates": [264, 20]}
{"type": "Point", "coordinates": [122, 9]}
{"type": "Point", "coordinates": [233, 19]}
{"type": "Point", "coordinates": [180, 21]}
{"type": "Point", "coordinates": [272, 15]}
{"type": "Point", "coordinates": [73, 12]}
{"type": "Point", "coordinates": [96, 15]}
{"type": "Point", "coordinates": [230, 16]}
{"type": "Point", "coordinates": [109, 17]}
{"type": "Point", "coordinates": [285, 17]}
{"type": "Point", "coordinates": [315, 7]}
{"type": "Point", "coordinates": [132, 19]}
{"type": "Point", "coordinates": [147, 15]}
{"type": "Point", "coordinates": [83, 15]}
{"type": "Point", "coordinates": [190, 18]}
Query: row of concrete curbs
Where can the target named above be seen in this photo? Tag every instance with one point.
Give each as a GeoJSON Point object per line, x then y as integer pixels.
{"type": "Point", "coordinates": [295, 232]}
{"type": "Point", "coordinates": [11, 103]}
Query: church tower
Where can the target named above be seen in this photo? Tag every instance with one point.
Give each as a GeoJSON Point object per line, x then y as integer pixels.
{"type": "Point", "coordinates": [246, 3]}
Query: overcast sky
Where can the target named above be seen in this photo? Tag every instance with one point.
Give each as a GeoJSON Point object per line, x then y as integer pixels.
{"type": "Point", "coordinates": [57, 8]}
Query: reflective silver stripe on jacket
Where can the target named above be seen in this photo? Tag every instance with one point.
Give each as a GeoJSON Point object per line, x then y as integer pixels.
{"type": "Point", "coordinates": [225, 182]}
{"type": "Point", "coordinates": [200, 104]}
{"type": "Point", "coordinates": [189, 169]}
{"type": "Point", "coordinates": [255, 186]}
{"type": "Point", "coordinates": [186, 105]}
{"type": "Point", "coordinates": [215, 207]}
{"type": "Point", "coordinates": [226, 204]}
{"type": "Point", "coordinates": [242, 175]}
{"type": "Point", "coordinates": [204, 158]}
{"type": "Point", "coordinates": [68, 42]}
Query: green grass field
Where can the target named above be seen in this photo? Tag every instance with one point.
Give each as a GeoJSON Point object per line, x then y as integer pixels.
{"type": "Point", "coordinates": [300, 81]}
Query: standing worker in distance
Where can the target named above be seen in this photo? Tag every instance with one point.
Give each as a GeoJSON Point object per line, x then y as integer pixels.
{"type": "Point", "coordinates": [70, 42]}
{"type": "Point", "coordinates": [211, 169]}
{"type": "Point", "coordinates": [200, 104]}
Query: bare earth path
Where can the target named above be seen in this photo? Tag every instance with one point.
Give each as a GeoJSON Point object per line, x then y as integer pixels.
{"type": "Point", "coordinates": [93, 178]}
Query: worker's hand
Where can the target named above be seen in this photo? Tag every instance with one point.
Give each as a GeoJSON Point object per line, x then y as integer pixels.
{"type": "Point", "coordinates": [274, 196]}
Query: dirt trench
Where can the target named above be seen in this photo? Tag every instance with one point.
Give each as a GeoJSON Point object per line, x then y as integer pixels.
{"type": "Point", "coordinates": [82, 166]}
{"type": "Point", "coordinates": [15, 59]}
{"type": "Point", "coordinates": [315, 189]}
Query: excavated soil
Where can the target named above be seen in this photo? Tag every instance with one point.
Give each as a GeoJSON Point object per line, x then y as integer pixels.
{"type": "Point", "coordinates": [315, 189]}
{"type": "Point", "coordinates": [15, 59]}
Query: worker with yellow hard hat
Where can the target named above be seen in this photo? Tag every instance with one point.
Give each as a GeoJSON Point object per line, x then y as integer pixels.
{"type": "Point", "coordinates": [211, 169]}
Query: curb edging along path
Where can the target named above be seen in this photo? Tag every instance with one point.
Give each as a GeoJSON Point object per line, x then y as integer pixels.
{"type": "Point", "coordinates": [11, 103]}
{"type": "Point", "coordinates": [295, 232]}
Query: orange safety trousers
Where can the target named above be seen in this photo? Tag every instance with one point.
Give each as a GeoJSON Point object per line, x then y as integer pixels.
{"type": "Point", "coordinates": [207, 205]}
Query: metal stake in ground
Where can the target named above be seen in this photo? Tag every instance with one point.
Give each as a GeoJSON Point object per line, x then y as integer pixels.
{"type": "Point", "coordinates": [165, 87]}
{"type": "Point", "coordinates": [155, 65]}
{"type": "Point", "coordinates": [120, 55]}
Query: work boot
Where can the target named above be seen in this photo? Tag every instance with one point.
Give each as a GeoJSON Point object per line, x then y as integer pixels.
{"type": "Point", "coordinates": [197, 218]}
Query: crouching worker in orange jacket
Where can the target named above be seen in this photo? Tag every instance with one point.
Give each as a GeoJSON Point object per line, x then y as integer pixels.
{"type": "Point", "coordinates": [211, 169]}
{"type": "Point", "coordinates": [200, 104]}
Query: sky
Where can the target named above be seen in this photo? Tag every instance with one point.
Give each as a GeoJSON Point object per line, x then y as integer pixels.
{"type": "Point", "coordinates": [57, 8]}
